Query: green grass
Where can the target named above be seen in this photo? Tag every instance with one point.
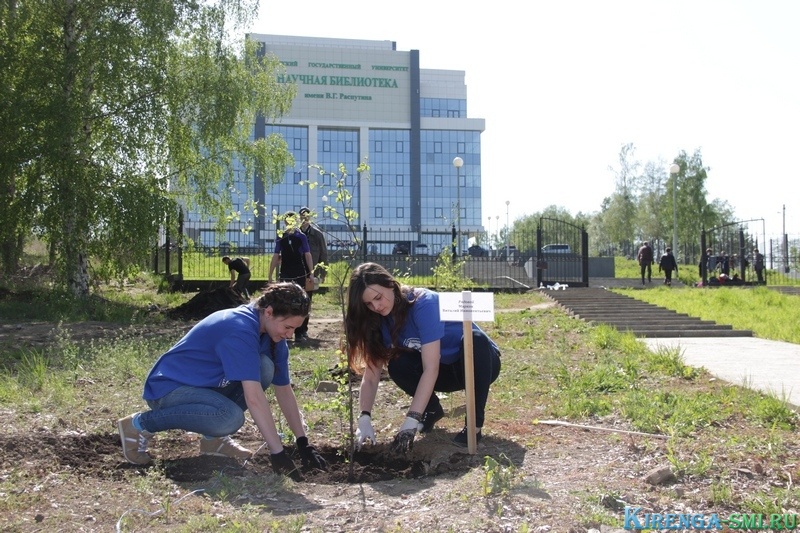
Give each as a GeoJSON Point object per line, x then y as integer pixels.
{"type": "Point", "coordinates": [767, 313]}
{"type": "Point", "coordinates": [554, 367]}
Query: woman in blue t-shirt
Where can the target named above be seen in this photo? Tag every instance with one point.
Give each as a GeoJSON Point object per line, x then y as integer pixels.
{"type": "Point", "coordinates": [221, 368]}
{"type": "Point", "coordinates": [394, 325]}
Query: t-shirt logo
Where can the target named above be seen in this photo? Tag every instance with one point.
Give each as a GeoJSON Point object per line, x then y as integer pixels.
{"type": "Point", "coordinates": [413, 343]}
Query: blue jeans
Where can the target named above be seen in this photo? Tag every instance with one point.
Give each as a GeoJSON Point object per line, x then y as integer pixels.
{"type": "Point", "coordinates": [213, 412]}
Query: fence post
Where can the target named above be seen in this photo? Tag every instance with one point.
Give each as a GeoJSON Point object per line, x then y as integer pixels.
{"type": "Point", "coordinates": [703, 258]}
{"type": "Point", "coordinates": [180, 243]}
{"type": "Point", "coordinates": [364, 246]}
{"type": "Point", "coordinates": [166, 250]}
{"type": "Point", "coordinates": [453, 235]}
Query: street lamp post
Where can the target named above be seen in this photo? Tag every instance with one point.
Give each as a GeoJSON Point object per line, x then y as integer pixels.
{"type": "Point", "coordinates": [674, 169]}
{"type": "Point", "coordinates": [458, 163]}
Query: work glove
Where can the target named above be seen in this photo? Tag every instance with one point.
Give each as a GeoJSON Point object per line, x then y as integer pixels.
{"type": "Point", "coordinates": [404, 440]}
{"type": "Point", "coordinates": [283, 464]}
{"type": "Point", "coordinates": [365, 432]}
{"type": "Point", "coordinates": [309, 455]}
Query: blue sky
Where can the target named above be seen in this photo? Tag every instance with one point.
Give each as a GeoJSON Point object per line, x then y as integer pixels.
{"type": "Point", "coordinates": [563, 85]}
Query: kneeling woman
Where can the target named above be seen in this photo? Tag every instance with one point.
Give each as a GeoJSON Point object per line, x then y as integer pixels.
{"type": "Point", "coordinates": [393, 325]}
{"type": "Point", "coordinates": [221, 368]}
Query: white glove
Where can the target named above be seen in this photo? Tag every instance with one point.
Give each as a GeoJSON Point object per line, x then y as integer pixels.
{"type": "Point", "coordinates": [364, 432]}
{"type": "Point", "coordinates": [411, 423]}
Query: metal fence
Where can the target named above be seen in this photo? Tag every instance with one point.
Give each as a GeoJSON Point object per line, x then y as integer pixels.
{"type": "Point", "coordinates": [405, 253]}
{"type": "Point", "coordinates": [556, 253]}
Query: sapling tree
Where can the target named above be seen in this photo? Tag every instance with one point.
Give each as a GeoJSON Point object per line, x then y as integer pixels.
{"type": "Point", "coordinates": [338, 200]}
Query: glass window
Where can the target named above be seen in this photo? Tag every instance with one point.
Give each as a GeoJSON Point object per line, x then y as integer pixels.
{"type": "Point", "coordinates": [399, 180]}
{"type": "Point", "coordinates": [298, 177]}
{"type": "Point", "coordinates": [437, 147]}
{"type": "Point", "coordinates": [400, 212]}
{"type": "Point", "coordinates": [378, 146]}
{"type": "Point", "coordinates": [298, 144]}
{"type": "Point", "coordinates": [437, 181]}
{"type": "Point", "coordinates": [326, 146]}
{"type": "Point", "coordinates": [348, 147]}
{"type": "Point", "coordinates": [461, 147]}
{"type": "Point", "coordinates": [378, 212]}
{"type": "Point", "coordinates": [399, 147]}
{"type": "Point", "coordinates": [379, 180]}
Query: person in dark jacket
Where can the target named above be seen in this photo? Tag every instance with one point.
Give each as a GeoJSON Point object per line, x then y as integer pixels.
{"type": "Point", "coordinates": [645, 258]}
{"type": "Point", "coordinates": [319, 257]}
{"type": "Point", "coordinates": [667, 264]}
{"type": "Point", "coordinates": [292, 259]}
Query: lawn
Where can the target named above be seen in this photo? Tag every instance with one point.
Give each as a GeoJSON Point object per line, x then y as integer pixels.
{"type": "Point", "coordinates": [577, 420]}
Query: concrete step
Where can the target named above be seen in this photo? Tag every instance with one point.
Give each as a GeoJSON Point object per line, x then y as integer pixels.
{"type": "Point", "coordinates": [601, 306]}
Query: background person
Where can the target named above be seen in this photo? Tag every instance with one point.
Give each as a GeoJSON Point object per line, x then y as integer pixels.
{"type": "Point", "coordinates": [240, 274]}
{"type": "Point", "coordinates": [221, 368]}
{"type": "Point", "coordinates": [292, 259]}
{"type": "Point", "coordinates": [319, 256]}
{"type": "Point", "coordinates": [667, 264]}
{"type": "Point", "coordinates": [393, 325]}
{"type": "Point", "coordinates": [758, 265]}
{"type": "Point", "coordinates": [645, 258]}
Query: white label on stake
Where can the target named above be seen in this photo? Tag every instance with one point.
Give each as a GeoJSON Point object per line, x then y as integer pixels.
{"type": "Point", "coordinates": [466, 306]}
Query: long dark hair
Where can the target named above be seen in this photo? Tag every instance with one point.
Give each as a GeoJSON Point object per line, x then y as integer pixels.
{"type": "Point", "coordinates": [287, 298]}
{"type": "Point", "coordinates": [364, 340]}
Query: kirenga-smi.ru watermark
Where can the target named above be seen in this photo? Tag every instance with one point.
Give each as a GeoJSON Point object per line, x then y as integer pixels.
{"type": "Point", "coordinates": [635, 519]}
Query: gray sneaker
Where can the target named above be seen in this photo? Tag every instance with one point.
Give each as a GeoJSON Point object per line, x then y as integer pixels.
{"type": "Point", "coordinates": [134, 442]}
{"type": "Point", "coordinates": [224, 447]}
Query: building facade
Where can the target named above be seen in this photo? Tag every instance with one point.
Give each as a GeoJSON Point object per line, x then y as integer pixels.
{"type": "Point", "coordinates": [364, 101]}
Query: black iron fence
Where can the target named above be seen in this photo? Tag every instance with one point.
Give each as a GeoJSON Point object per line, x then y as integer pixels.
{"type": "Point", "coordinates": [556, 253]}
{"type": "Point", "coordinates": [431, 257]}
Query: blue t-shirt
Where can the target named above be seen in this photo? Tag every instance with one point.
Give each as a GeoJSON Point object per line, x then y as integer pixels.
{"type": "Point", "coordinates": [423, 325]}
{"type": "Point", "coordinates": [292, 248]}
{"type": "Point", "coordinates": [223, 347]}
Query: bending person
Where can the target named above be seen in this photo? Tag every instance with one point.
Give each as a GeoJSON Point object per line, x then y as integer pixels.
{"type": "Point", "coordinates": [397, 326]}
{"type": "Point", "coordinates": [221, 368]}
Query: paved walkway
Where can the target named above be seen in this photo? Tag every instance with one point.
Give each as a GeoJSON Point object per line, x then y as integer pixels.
{"type": "Point", "coordinates": [772, 367]}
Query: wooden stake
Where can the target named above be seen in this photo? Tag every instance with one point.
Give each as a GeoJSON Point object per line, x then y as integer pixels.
{"type": "Point", "coordinates": [469, 382]}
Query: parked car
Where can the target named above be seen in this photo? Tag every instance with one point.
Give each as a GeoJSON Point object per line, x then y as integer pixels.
{"type": "Point", "coordinates": [508, 253]}
{"type": "Point", "coordinates": [477, 251]}
{"type": "Point", "coordinates": [402, 248]}
{"type": "Point", "coordinates": [556, 249]}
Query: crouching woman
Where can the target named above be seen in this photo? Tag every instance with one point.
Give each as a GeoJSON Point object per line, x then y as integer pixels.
{"type": "Point", "coordinates": [221, 368]}
{"type": "Point", "coordinates": [398, 327]}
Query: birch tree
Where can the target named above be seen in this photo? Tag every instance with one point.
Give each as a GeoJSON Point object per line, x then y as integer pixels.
{"type": "Point", "coordinates": [137, 105]}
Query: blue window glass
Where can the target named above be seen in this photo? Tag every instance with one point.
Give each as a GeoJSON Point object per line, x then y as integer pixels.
{"type": "Point", "coordinates": [385, 168]}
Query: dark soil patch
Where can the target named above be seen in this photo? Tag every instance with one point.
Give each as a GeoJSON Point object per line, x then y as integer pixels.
{"type": "Point", "coordinates": [100, 456]}
{"type": "Point", "coordinates": [206, 302]}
